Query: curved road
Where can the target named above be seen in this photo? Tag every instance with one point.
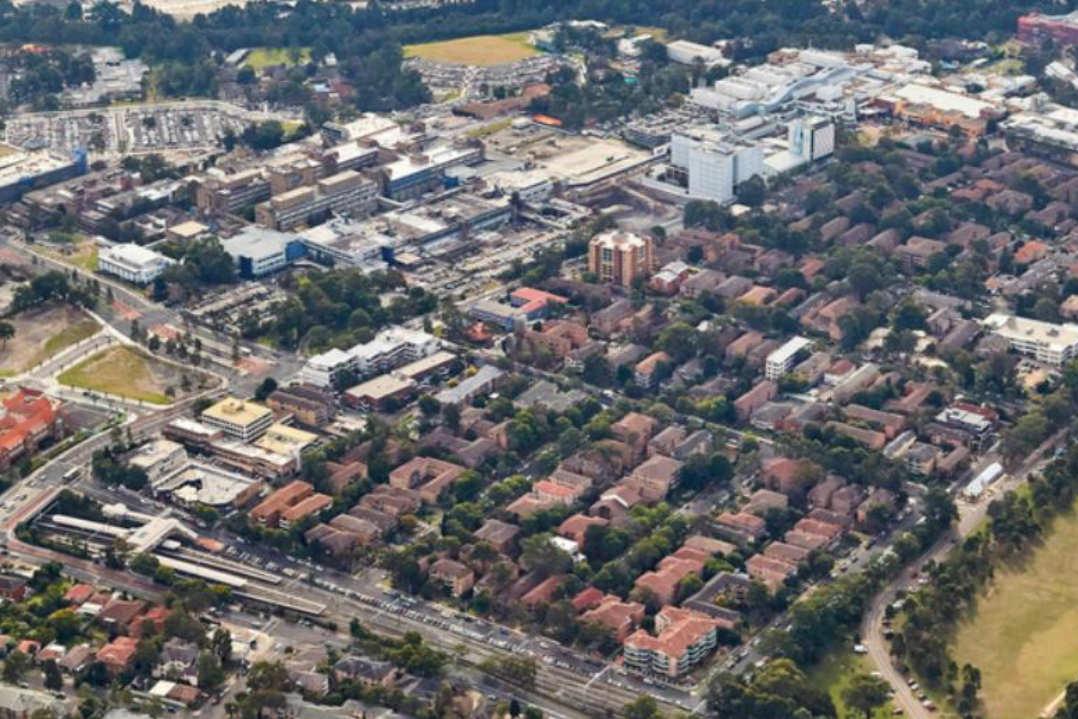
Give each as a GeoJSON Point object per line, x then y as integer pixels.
{"type": "Point", "coordinates": [970, 516]}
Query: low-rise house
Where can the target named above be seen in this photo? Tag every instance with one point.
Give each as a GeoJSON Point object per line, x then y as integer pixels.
{"type": "Point", "coordinates": [428, 476]}
{"type": "Point", "coordinates": [458, 578]}
{"type": "Point", "coordinates": [368, 672]}
{"type": "Point", "coordinates": [618, 616]}
{"type": "Point", "coordinates": [117, 654]}
{"type": "Point", "coordinates": [498, 534]}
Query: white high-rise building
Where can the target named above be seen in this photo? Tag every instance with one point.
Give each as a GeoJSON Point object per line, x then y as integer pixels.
{"type": "Point", "coordinates": [715, 170]}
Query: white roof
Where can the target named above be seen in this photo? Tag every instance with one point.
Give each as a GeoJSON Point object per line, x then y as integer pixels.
{"type": "Point", "coordinates": [135, 255]}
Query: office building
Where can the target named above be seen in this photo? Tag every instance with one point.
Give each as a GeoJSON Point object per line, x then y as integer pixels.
{"type": "Point", "coordinates": [620, 257]}
{"type": "Point", "coordinates": [238, 418]}
{"type": "Point", "coordinates": [784, 358]}
{"type": "Point", "coordinates": [24, 170]}
{"type": "Point", "coordinates": [420, 173]}
{"type": "Point", "coordinates": [1054, 344]}
{"type": "Point", "coordinates": [133, 263]}
{"type": "Point", "coordinates": [258, 252]}
{"type": "Point", "coordinates": [347, 192]}
{"type": "Point", "coordinates": [684, 52]}
{"type": "Point", "coordinates": [219, 193]}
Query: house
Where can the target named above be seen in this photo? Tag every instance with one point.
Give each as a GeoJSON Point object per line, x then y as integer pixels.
{"type": "Point", "coordinates": [635, 429]}
{"type": "Point", "coordinates": [119, 614]}
{"type": "Point", "coordinates": [368, 672]}
{"type": "Point", "coordinates": [620, 617]}
{"type": "Point", "coordinates": [762, 393]}
{"type": "Point", "coordinates": [178, 661]}
{"type": "Point", "coordinates": [743, 527]}
{"type": "Point", "coordinates": [117, 654]}
{"type": "Point", "coordinates": [576, 527]}
{"type": "Point", "coordinates": [430, 477]}
{"type": "Point", "coordinates": [646, 373]}
{"type": "Point", "coordinates": [662, 582]}
{"type": "Point", "coordinates": [14, 589]}
{"type": "Point", "coordinates": [786, 475]}
{"type": "Point", "coordinates": [498, 534]}
{"type": "Point", "coordinates": [455, 576]}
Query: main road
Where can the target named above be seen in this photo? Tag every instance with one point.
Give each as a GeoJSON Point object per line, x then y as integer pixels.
{"type": "Point", "coordinates": [971, 515]}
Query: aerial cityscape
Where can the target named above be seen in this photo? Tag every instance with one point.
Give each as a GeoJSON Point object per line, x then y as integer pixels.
{"type": "Point", "coordinates": [456, 359]}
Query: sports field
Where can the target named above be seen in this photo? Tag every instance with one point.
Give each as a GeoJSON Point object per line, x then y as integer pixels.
{"type": "Point", "coordinates": [125, 372]}
{"type": "Point", "coordinates": [1023, 635]}
{"type": "Point", "coordinates": [482, 50]}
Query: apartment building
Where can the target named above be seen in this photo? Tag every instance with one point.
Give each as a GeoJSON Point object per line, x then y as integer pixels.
{"type": "Point", "coordinates": [783, 359]}
{"type": "Point", "coordinates": [682, 639]}
{"type": "Point", "coordinates": [389, 350]}
{"type": "Point", "coordinates": [1054, 344]}
{"type": "Point", "coordinates": [620, 257]}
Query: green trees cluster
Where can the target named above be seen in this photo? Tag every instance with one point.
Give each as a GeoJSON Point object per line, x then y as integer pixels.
{"type": "Point", "coordinates": [339, 308]}
{"type": "Point", "coordinates": [780, 690]}
{"type": "Point", "coordinates": [51, 286]}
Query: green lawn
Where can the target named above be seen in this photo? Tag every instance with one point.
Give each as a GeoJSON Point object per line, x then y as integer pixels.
{"type": "Point", "coordinates": [1023, 634]}
{"type": "Point", "coordinates": [262, 57]}
{"type": "Point", "coordinates": [120, 371]}
{"type": "Point", "coordinates": [835, 672]}
{"type": "Point", "coordinates": [65, 338]}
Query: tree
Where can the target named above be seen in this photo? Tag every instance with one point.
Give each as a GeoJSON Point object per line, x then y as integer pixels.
{"type": "Point", "coordinates": [221, 643]}
{"type": "Point", "coordinates": [15, 666]}
{"type": "Point", "coordinates": [643, 707]}
{"type": "Point", "coordinates": [210, 673]}
{"type": "Point", "coordinates": [267, 675]}
{"type": "Point", "coordinates": [53, 679]}
{"type": "Point", "coordinates": [865, 693]}
{"type": "Point", "coordinates": [7, 331]}
{"type": "Point", "coordinates": [268, 387]}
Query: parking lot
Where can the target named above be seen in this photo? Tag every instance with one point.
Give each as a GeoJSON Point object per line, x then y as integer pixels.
{"type": "Point", "coordinates": [118, 130]}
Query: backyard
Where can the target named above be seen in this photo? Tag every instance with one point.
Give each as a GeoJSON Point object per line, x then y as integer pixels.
{"type": "Point", "coordinates": [483, 50]}
{"type": "Point", "coordinates": [129, 373]}
{"type": "Point", "coordinates": [41, 333]}
{"type": "Point", "coordinates": [1022, 636]}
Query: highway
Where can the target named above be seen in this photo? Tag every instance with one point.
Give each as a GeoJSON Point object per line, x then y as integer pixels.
{"type": "Point", "coordinates": [971, 516]}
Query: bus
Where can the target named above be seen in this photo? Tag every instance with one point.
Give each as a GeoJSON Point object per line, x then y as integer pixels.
{"type": "Point", "coordinates": [71, 475]}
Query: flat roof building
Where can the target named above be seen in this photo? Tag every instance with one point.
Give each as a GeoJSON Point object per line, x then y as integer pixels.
{"type": "Point", "coordinates": [1054, 344]}
{"type": "Point", "coordinates": [239, 418]}
{"type": "Point", "coordinates": [781, 360]}
{"type": "Point", "coordinates": [133, 263]}
{"type": "Point", "coordinates": [620, 257]}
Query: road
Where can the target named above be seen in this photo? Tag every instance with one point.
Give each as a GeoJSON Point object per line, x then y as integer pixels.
{"type": "Point", "coordinates": [971, 516]}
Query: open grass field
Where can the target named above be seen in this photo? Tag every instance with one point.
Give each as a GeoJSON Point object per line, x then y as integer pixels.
{"type": "Point", "coordinates": [41, 333]}
{"type": "Point", "coordinates": [125, 372]}
{"type": "Point", "coordinates": [1023, 634]}
{"type": "Point", "coordinates": [262, 57]}
{"type": "Point", "coordinates": [835, 672]}
{"type": "Point", "coordinates": [79, 250]}
{"type": "Point", "coordinates": [482, 50]}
